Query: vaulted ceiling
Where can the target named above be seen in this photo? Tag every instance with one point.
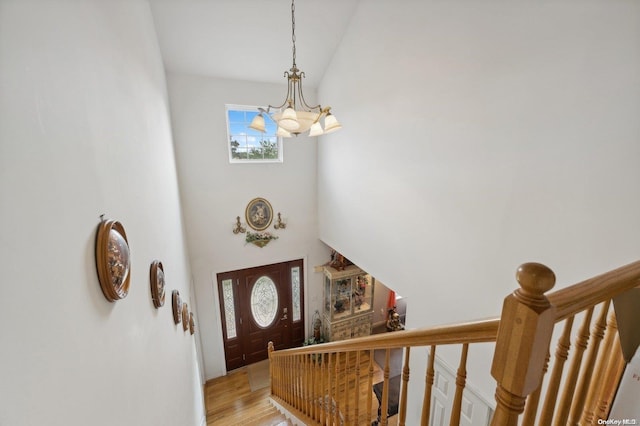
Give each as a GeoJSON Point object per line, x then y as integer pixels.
{"type": "Point", "coordinates": [250, 39]}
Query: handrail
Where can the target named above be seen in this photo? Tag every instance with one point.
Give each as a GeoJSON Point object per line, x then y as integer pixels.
{"type": "Point", "coordinates": [522, 354]}
{"type": "Point", "coordinates": [578, 297]}
{"type": "Point", "coordinates": [480, 331]}
{"type": "Point", "coordinates": [529, 317]}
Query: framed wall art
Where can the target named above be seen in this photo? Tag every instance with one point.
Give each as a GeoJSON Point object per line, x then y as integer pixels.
{"type": "Point", "coordinates": [185, 316]}
{"type": "Point", "coordinates": [113, 261]}
{"type": "Point", "coordinates": [192, 323]}
{"type": "Point", "coordinates": [157, 283]}
{"type": "Point", "coordinates": [176, 303]}
{"type": "Point", "coordinates": [259, 214]}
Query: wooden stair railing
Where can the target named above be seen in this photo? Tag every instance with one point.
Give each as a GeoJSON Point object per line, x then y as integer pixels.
{"type": "Point", "coordinates": [583, 394]}
{"type": "Point", "coordinates": [331, 383]}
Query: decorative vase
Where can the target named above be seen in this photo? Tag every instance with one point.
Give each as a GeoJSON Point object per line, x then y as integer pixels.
{"type": "Point", "coordinates": [260, 243]}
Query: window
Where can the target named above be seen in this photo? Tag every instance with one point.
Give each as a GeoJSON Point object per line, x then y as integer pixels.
{"type": "Point", "coordinates": [295, 292]}
{"type": "Point", "coordinates": [247, 145]}
{"type": "Point", "coordinates": [229, 308]}
{"type": "Point", "coordinates": [264, 301]}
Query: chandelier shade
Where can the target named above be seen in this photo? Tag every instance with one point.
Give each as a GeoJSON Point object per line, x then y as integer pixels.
{"type": "Point", "coordinates": [294, 116]}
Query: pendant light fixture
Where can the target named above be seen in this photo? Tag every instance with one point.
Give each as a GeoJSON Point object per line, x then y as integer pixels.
{"type": "Point", "coordinates": [294, 116]}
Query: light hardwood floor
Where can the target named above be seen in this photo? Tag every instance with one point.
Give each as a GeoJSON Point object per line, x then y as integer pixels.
{"type": "Point", "coordinates": [229, 401]}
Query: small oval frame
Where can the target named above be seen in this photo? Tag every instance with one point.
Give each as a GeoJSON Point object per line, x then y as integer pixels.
{"type": "Point", "coordinates": [156, 277]}
{"type": "Point", "coordinates": [112, 263]}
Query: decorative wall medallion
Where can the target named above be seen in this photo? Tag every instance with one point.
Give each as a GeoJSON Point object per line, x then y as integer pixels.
{"type": "Point", "coordinates": [192, 323]}
{"type": "Point", "coordinates": [113, 260]}
{"type": "Point", "coordinates": [177, 306]}
{"type": "Point", "coordinates": [259, 214]}
{"type": "Point", "coordinates": [185, 317]}
{"type": "Point", "coordinates": [157, 283]}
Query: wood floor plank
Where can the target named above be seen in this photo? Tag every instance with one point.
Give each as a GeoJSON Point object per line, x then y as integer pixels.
{"type": "Point", "coordinates": [229, 400]}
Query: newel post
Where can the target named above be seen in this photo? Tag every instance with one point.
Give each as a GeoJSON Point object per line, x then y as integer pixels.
{"type": "Point", "coordinates": [526, 326]}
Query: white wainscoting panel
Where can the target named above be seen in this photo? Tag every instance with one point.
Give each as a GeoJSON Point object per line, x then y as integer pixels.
{"type": "Point", "coordinates": [475, 410]}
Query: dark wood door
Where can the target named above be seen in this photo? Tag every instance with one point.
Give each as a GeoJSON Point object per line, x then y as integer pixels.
{"type": "Point", "coordinates": [259, 305]}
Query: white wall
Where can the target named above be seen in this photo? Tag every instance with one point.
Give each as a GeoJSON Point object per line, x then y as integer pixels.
{"type": "Point", "coordinates": [214, 192]}
{"type": "Point", "coordinates": [84, 131]}
{"type": "Point", "coordinates": [478, 136]}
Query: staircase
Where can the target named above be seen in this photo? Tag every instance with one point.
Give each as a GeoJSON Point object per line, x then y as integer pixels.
{"type": "Point", "coordinates": [580, 369]}
{"type": "Point", "coordinates": [331, 384]}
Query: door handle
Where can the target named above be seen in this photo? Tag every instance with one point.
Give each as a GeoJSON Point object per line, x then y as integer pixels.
{"type": "Point", "coordinates": [284, 317]}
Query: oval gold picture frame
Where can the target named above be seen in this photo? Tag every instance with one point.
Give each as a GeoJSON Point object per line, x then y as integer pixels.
{"type": "Point", "coordinates": [259, 214]}
{"type": "Point", "coordinates": [176, 303]}
{"type": "Point", "coordinates": [113, 260]}
{"type": "Point", "coordinates": [192, 323]}
{"type": "Point", "coordinates": [156, 277]}
{"type": "Point", "coordinates": [185, 316]}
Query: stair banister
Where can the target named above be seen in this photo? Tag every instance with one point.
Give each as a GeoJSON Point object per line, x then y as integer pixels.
{"type": "Point", "coordinates": [522, 356]}
{"type": "Point", "coordinates": [524, 336]}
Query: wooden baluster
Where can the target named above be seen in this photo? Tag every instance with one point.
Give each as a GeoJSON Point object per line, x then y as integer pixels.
{"type": "Point", "coordinates": [318, 390]}
{"type": "Point", "coordinates": [356, 396]}
{"type": "Point", "coordinates": [384, 408]}
{"type": "Point", "coordinates": [336, 399]}
{"type": "Point", "coordinates": [572, 376]}
{"type": "Point", "coordinates": [292, 380]}
{"type": "Point", "coordinates": [298, 382]}
{"type": "Point", "coordinates": [526, 326]}
{"type": "Point", "coordinates": [429, 378]}
{"type": "Point", "coordinates": [295, 377]}
{"type": "Point", "coordinates": [347, 418]}
{"type": "Point", "coordinates": [313, 385]}
{"type": "Point", "coordinates": [287, 380]}
{"type": "Point", "coordinates": [324, 386]}
{"type": "Point", "coordinates": [461, 382]}
{"type": "Point", "coordinates": [612, 376]}
{"type": "Point", "coordinates": [531, 406]}
{"type": "Point", "coordinates": [598, 381]}
{"type": "Point", "coordinates": [306, 388]}
{"type": "Point", "coordinates": [279, 373]}
{"type": "Point", "coordinates": [370, 387]}
{"type": "Point", "coordinates": [326, 403]}
{"type": "Point", "coordinates": [303, 383]}
{"type": "Point", "coordinates": [562, 353]}
{"type": "Point", "coordinates": [402, 412]}
{"type": "Point", "coordinates": [580, 395]}
{"type": "Point", "coordinates": [280, 387]}
{"type": "Point", "coordinates": [276, 387]}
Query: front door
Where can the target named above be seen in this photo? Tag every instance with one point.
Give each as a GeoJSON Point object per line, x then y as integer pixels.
{"type": "Point", "coordinates": [259, 305]}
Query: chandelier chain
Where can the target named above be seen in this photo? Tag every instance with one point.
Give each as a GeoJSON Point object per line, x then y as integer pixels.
{"type": "Point", "coordinates": [295, 116]}
{"type": "Point", "coordinates": [293, 30]}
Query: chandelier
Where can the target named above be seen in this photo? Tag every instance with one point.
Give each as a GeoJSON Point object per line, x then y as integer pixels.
{"type": "Point", "coordinates": [294, 116]}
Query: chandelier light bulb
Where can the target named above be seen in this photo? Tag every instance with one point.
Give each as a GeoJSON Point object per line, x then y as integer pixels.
{"type": "Point", "coordinates": [316, 129]}
{"type": "Point", "coordinates": [258, 123]}
{"type": "Point", "coordinates": [283, 133]}
{"type": "Point", "coordinates": [331, 124]}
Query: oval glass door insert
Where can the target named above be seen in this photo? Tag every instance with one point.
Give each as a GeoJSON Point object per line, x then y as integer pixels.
{"type": "Point", "coordinates": [264, 301]}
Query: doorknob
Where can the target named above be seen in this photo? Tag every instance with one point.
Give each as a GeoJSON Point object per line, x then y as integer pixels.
{"type": "Point", "coordinates": [284, 317]}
